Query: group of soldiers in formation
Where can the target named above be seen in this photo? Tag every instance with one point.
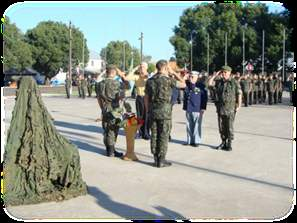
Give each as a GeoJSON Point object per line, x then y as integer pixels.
{"type": "Point", "coordinates": [154, 101]}
{"type": "Point", "coordinates": [257, 89]}
{"type": "Point", "coordinates": [82, 84]}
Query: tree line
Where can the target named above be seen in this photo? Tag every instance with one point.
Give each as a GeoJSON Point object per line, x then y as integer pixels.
{"type": "Point", "coordinates": [45, 48]}
{"type": "Point", "coordinates": [216, 20]}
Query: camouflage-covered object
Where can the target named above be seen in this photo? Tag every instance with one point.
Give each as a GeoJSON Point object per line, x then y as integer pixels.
{"type": "Point", "coordinates": [39, 164]}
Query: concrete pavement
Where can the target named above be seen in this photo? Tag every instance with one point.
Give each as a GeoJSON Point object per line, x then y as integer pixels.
{"type": "Point", "coordinates": [254, 181]}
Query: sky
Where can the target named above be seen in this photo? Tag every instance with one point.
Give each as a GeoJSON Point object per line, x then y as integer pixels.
{"type": "Point", "coordinates": [102, 22]}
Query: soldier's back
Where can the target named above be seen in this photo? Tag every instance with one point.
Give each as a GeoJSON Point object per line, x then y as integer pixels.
{"type": "Point", "coordinates": [159, 89]}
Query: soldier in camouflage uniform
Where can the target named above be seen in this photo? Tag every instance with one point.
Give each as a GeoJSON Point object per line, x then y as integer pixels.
{"type": "Point", "coordinates": [264, 92]}
{"type": "Point", "coordinates": [158, 92]}
{"type": "Point", "coordinates": [228, 94]}
{"type": "Point", "coordinates": [290, 80]}
{"type": "Point", "coordinates": [68, 84]}
{"type": "Point", "coordinates": [90, 84]}
{"type": "Point", "coordinates": [109, 95]}
{"type": "Point", "coordinates": [280, 89]}
{"type": "Point", "coordinates": [83, 85]}
{"type": "Point", "coordinates": [276, 88]}
{"type": "Point", "coordinates": [256, 88]}
{"type": "Point", "coordinates": [251, 92]}
{"type": "Point", "coordinates": [260, 89]}
{"type": "Point", "coordinates": [270, 88]}
{"type": "Point", "coordinates": [245, 86]}
{"type": "Point", "coordinates": [78, 83]}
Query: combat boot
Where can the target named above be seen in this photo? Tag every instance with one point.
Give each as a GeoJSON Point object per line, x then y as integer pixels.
{"type": "Point", "coordinates": [156, 161]}
{"type": "Point", "coordinates": [229, 145]}
{"type": "Point", "coordinates": [109, 151]}
{"type": "Point", "coordinates": [162, 162]}
{"type": "Point", "coordinates": [222, 145]}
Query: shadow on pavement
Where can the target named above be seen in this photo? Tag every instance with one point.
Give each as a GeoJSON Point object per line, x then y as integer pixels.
{"type": "Point", "coordinates": [88, 128]}
{"type": "Point", "coordinates": [127, 211]}
{"type": "Point", "coordinates": [77, 134]}
{"type": "Point", "coordinates": [181, 142]}
{"type": "Point", "coordinates": [88, 147]}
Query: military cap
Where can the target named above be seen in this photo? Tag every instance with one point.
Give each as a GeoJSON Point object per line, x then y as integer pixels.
{"type": "Point", "coordinates": [194, 73]}
{"type": "Point", "coordinates": [226, 68]}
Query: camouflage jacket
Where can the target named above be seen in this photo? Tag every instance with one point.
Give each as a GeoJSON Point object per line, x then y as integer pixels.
{"type": "Point", "coordinates": [245, 85]}
{"type": "Point", "coordinates": [68, 82]}
{"type": "Point", "coordinates": [226, 92]}
{"type": "Point", "coordinates": [159, 92]}
{"type": "Point", "coordinates": [270, 85]}
{"type": "Point", "coordinates": [108, 91]}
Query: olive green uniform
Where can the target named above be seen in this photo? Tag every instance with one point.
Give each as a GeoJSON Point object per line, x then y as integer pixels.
{"type": "Point", "coordinates": [264, 89]}
{"type": "Point", "coordinates": [260, 90]}
{"type": "Point", "coordinates": [251, 93]}
{"type": "Point", "coordinates": [256, 90]}
{"type": "Point", "coordinates": [226, 92]}
{"type": "Point", "coordinates": [245, 86]}
{"type": "Point", "coordinates": [78, 83]}
{"type": "Point", "coordinates": [280, 90]}
{"type": "Point", "coordinates": [276, 90]}
{"type": "Point", "coordinates": [159, 91]}
{"type": "Point", "coordinates": [67, 87]}
{"type": "Point", "coordinates": [270, 89]}
{"type": "Point", "coordinates": [108, 91]}
{"type": "Point", "coordinates": [90, 86]}
{"type": "Point", "coordinates": [83, 85]}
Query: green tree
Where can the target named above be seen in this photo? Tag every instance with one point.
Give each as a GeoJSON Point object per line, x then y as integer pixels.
{"type": "Point", "coordinates": [114, 53]}
{"type": "Point", "coordinates": [219, 19]}
{"type": "Point", "coordinates": [17, 53]}
{"type": "Point", "coordinates": [151, 67]}
{"type": "Point", "coordinates": [50, 47]}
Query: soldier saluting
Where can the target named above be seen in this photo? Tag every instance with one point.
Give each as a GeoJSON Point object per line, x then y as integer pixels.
{"type": "Point", "coordinates": [158, 92]}
{"type": "Point", "coordinates": [228, 101]}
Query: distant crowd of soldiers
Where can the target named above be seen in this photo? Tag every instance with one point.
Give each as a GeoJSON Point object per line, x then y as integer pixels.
{"type": "Point", "coordinates": [259, 89]}
{"type": "Point", "coordinates": [83, 84]}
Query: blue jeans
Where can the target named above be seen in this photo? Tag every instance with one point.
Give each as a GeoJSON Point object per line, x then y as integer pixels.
{"type": "Point", "coordinates": [194, 121]}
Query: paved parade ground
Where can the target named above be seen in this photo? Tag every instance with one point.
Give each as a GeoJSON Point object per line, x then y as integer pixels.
{"type": "Point", "coordinates": [253, 181]}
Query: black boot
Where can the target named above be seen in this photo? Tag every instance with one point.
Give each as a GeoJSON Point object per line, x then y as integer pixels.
{"type": "Point", "coordinates": [109, 151]}
{"type": "Point", "coordinates": [229, 145]}
{"type": "Point", "coordinates": [162, 162]}
{"type": "Point", "coordinates": [222, 145]}
{"type": "Point", "coordinates": [156, 163]}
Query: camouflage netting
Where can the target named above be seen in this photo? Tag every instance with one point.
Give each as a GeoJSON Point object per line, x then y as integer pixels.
{"type": "Point", "coordinates": [39, 164]}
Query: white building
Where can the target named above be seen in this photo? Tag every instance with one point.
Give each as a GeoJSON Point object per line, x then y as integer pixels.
{"type": "Point", "coordinates": [95, 63]}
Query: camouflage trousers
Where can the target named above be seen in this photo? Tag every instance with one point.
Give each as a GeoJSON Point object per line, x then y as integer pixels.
{"type": "Point", "coordinates": [67, 91]}
{"type": "Point", "coordinates": [90, 90]}
{"type": "Point", "coordinates": [226, 126]}
{"type": "Point", "coordinates": [110, 133]}
{"type": "Point", "coordinates": [160, 130]}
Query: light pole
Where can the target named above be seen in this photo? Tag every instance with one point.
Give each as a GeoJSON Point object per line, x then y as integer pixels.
{"type": "Point", "coordinates": [207, 53]}
{"type": "Point", "coordinates": [284, 53]}
{"type": "Point", "coordinates": [124, 57]}
{"type": "Point", "coordinates": [263, 45]}
{"type": "Point", "coordinates": [70, 55]}
{"type": "Point", "coordinates": [141, 46]}
{"type": "Point", "coordinates": [132, 60]}
{"type": "Point", "coordinates": [193, 32]}
{"type": "Point", "coordinates": [83, 58]}
{"type": "Point", "coordinates": [226, 40]}
{"type": "Point", "coordinates": [243, 50]}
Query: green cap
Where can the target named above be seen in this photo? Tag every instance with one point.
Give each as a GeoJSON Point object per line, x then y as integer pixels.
{"type": "Point", "coordinates": [226, 68]}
